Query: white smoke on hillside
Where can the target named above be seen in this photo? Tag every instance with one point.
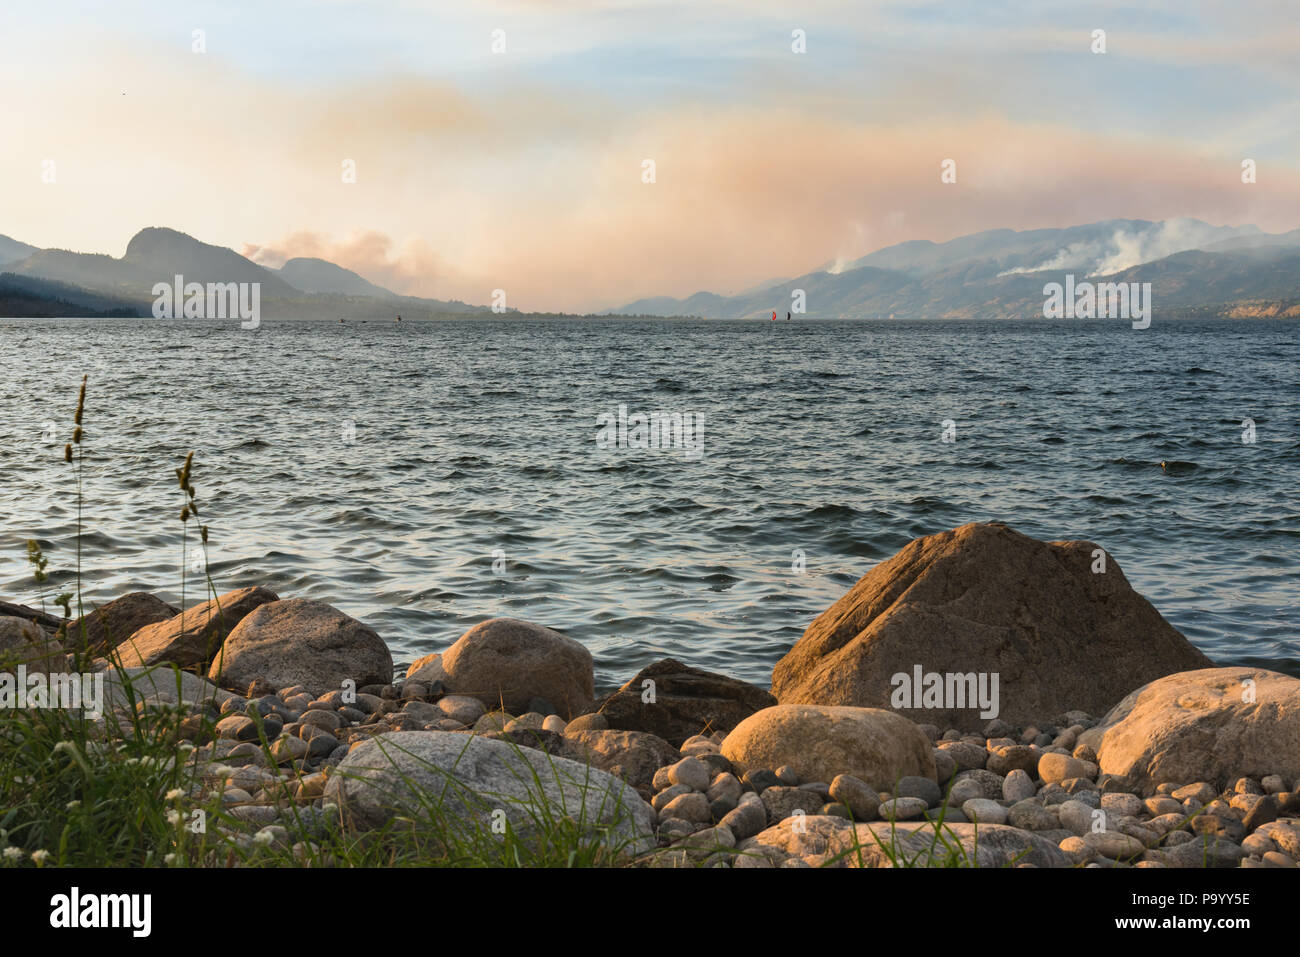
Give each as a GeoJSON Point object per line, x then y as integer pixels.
{"type": "Point", "coordinates": [1131, 247]}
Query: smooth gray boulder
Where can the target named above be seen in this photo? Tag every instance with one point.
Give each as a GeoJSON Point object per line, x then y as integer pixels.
{"type": "Point", "coordinates": [464, 779]}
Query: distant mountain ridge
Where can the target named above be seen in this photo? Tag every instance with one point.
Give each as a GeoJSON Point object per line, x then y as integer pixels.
{"type": "Point", "coordinates": [1000, 273]}
{"type": "Point", "coordinates": [100, 284]}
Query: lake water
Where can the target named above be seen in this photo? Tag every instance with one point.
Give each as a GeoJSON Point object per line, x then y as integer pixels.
{"type": "Point", "coordinates": [425, 476]}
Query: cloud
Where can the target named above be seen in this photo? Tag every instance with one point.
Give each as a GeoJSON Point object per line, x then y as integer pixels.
{"type": "Point", "coordinates": [412, 269]}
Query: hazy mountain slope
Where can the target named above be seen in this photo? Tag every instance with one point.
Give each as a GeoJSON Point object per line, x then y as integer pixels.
{"type": "Point", "coordinates": [320, 276]}
{"type": "Point", "coordinates": [166, 253]}
{"type": "Point", "coordinates": [1001, 273]}
{"type": "Point", "coordinates": [12, 251]}
{"type": "Point", "coordinates": [28, 297]}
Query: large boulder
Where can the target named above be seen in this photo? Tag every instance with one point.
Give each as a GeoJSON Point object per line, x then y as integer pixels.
{"type": "Point", "coordinates": [192, 638]}
{"type": "Point", "coordinates": [506, 663]}
{"type": "Point", "coordinates": [1213, 724]}
{"type": "Point", "coordinates": [111, 624]}
{"type": "Point", "coordinates": [302, 642]}
{"type": "Point", "coordinates": [821, 742]}
{"type": "Point", "coordinates": [24, 642]}
{"type": "Point", "coordinates": [460, 780]}
{"type": "Point", "coordinates": [984, 600]}
{"type": "Point", "coordinates": [687, 701]}
{"type": "Point", "coordinates": [634, 756]}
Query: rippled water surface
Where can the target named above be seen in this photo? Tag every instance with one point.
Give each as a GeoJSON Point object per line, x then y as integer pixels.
{"type": "Point", "coordinates": [480, 436]}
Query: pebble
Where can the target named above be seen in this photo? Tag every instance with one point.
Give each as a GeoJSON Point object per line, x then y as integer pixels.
{"type": "Point", "coordinates": [254, 813]}
{"type": "Point", "coordinates": [1114, 845]}
{"type": "Point", "coordinates": [967, 756]}
{"type": "Point", "coordinates": [1029, 815]}
{"type": "Point", "coordinates": [997, 728]}
{"type": "Point", "coordinates": [787, 776]}
{"type": "Point", "coordinates": [862, 802]}
{"type": "Point", "coordinates": [692, 772]}
{"type": "Point", "coordinates": [461, 708]}
{"type": "Point", "coordinates": [238, 727]}
{"type": "Point", "coordinates": [1278, 859]}
{"type": "Point", "coordinates": [902, 809]}
{"type": "Point", "coordinates": [555, 723]}
{"type": "Point", "coordinates": [1203, 792]}
{"type": "Point", "coordinates": [944, 766]}
{"type": "Point", "coordinates": [1164, 823]}
{"type": "Point", "coordinates": [692, 806]}
{"type": "Point", "coordinates": [285, 750]}
{"type": "Point", "coordinates": [782, 801]}
{"type": "Point", "coordinates": [1017, 786]}
{"type": "Point", "coordinates": [924, 789]}
{"type": "Point", "coordinates": [588, 722]}
{"type": "Point", "coordinates": [1272, 784]}
{"type": "Point", "coordinates": [661, 799]}
{"type": "Point", "coordinates": [820, 788]}
{"type": "Point", "coordinates": [1017, 756]}
{"type": "Point", "coordinates": [759, 779]}
{"type": "Point", "coordinates": [1076, 816]}
{"type": "Point", "coordinates": [747, 819]}
{"type": "Point", "coordinates": [1129, 805]}
{"type": "Point", "coordinates": [725, 787]}
{"type": "Point", "coordinates": [1054, 768]}
{"type": "Point", "coordinates": [984, 811]}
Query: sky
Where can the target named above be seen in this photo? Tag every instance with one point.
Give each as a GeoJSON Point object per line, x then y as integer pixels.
{"type": "Point", "coordinates": [523, 169]}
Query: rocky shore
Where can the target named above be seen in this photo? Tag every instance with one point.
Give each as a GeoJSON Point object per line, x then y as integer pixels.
{"type": "Point", "coordinates": [1051, 718]}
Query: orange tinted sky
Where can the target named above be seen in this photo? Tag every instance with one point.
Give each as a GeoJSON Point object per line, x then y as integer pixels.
{"type": "Point", "coordinates": [522, 170]}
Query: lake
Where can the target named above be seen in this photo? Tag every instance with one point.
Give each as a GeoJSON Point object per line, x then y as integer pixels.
{"type": "Point", "coordinates": [426, 476]}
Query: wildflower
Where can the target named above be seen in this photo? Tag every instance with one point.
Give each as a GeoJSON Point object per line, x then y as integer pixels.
{"type": "Point", "coordinates": [175, 794]}
{"type": "Point", "coordinates": [13, 853]}
{"type": "Point", "coordinates": [170, 859]}
{"type": "Point", "coordinates": [40, 857]}
{"type": "Point", "coordinates": [73, 805]}
{"type": "Point", "coordinates": [263, 837]}
{"type": "Point", "coordinates": [173, 817]}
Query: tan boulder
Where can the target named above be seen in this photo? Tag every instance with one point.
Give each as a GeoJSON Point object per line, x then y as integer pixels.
{"type": "Point", "coordinates": [302, 642]}
{"type": "Point", "coordinates": [512, 661]}
{"type": "Point", "coordinates": [1212, 724]}
{"type": "Point", "coordinates": [821, 742]}
{"type": "Point", "coordinates": [193, 637]}
{"type": "Point", "coordinates": [984, 600]}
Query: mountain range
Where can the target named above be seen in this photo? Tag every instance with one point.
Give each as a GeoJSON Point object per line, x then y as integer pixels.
{"type": "Point", "coordinates": [57, 282]}
{"type": "Point", "coordinates": [1195, 269]}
